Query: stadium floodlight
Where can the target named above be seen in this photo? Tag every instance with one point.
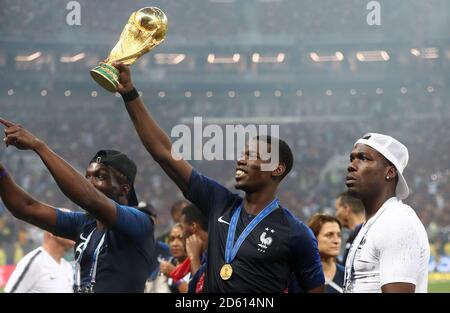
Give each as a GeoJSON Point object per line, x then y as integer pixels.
{"type": "Point", "coordinates": [372, 56]}
{"type": "Point", "coordinates": [73, 58]}
{"type": "Point", "coordinates": [336, 57]}
{"type": "Point", "coordinates": [279, 58]}
{"type": "Point", "coordinates": [169, 58]}
{"type": "Point", "coordinates": [213, 59]}
{"type": "Point", "coordinates": [29, 58]}
{"type": "Point", "coordinates": [425, 53]}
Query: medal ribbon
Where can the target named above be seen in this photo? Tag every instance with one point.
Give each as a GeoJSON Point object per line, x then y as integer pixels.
{"type": "Point", "coordinates": [230, 250]}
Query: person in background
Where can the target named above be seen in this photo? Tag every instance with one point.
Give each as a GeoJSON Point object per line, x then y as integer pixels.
{"type": "Point", "coordinates": [163, 282]}
{"type": "Point", "coordinates": [327, 230]}
{"type": "Point", "coordinates": [195, 226]}
{"type": "Point", "coordinates": [44, 270]}
{"type": "Point", "coordinates": [350, 212]}
{"type": "Point", "coordinates": [175, 213]}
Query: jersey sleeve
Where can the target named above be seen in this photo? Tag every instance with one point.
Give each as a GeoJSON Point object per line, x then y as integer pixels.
{"type": "Point", "coordinates": [205, 192]}
{"type": "Point", "coordinates": [24, 275]}
{"type": "Point", "coordinates": [400, 255]}
{"type": "Point", "coordinates": [133, 223]}
{"type": "Point", "coordinates": [306, 263]}
{"type": "Point", "coordinates": [69, 224]}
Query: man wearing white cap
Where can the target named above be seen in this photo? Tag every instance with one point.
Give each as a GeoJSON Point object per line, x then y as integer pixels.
{"type": "Point", "coordinates": [391, 252]}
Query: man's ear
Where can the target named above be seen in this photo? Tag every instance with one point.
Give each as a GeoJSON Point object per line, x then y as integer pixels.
{"type": "Point", "coordinates": [279, 170]}
{"type": "Point", "coordinates": [391, 173]}
{"type": "Point", "coordinates": [125, 190]}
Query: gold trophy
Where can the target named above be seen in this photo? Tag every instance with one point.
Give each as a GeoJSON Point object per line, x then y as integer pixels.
{"type": "Point", "coordinates": [146, 28]}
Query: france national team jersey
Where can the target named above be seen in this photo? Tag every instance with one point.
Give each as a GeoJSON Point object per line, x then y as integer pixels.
{"type": "Point", "coordinates": [126, 256]}
{"type": "Point", "coordinates": [279, 245]}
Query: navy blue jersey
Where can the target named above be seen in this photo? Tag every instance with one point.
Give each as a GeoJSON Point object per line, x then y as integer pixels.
{"type": "Point", "coordinates": [334, 287]}
{"type": "Point", "coordinates": [278, 246]}
{"type": "Point", "coordinates": [338, 281]}
{"type": "Point", "coordinates": [127, 255]}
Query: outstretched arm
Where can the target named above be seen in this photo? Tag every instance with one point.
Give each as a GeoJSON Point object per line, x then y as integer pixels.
{"type": "Point", "coordinates": [155, 140]}
{"type": "Point", "coordinates": [23, 206]}
{"type": "Point", "coordinates": [71, 183]}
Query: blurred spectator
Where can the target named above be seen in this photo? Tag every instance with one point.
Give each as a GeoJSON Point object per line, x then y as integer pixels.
{"type": "Point", "coordinates": [327, 230]}
{"type": "Point", "coordinates": [350, 213]}
{"type": "Point", "coordinates": [44, 270]}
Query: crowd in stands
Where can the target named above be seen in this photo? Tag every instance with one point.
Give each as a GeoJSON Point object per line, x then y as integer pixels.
{"type": "Point", "coordinates": [203, 20]}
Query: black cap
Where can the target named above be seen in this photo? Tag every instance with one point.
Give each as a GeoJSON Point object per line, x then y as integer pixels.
{"type": "Point", "coordinates": [123, 164]}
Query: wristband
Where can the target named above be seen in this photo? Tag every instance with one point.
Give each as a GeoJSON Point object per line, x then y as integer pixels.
{"type": "Point", "coordinates": [130, 95]}
{"type": "Point", "coordinates": [3, 173]}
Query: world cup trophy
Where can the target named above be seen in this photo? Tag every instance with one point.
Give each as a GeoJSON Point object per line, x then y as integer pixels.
{"type": "Point", "coordinates": [146, 29]}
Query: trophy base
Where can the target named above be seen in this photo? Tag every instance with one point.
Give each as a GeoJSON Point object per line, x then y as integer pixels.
{"type": "Point", "coordinates": [106, 76]}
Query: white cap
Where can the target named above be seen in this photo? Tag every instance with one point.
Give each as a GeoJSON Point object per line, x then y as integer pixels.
{"type": "Point", "coordinates": [395, 152]}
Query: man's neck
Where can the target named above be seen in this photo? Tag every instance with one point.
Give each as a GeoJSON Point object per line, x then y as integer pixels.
{"type": "Point", "coordinates": [372, 206]}
{"type": "Point", "coordinates": [55, 250]}
{"type": "Point", "coordinates": [100, 225]}
{"type": "Point", "coordinates": [255, 202]}
{"type": "Point", "coordinates": [356, 219]}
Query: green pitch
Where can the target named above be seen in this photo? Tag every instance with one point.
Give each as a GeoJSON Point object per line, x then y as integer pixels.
{"type": "Point", "coordinates": [439, 286]}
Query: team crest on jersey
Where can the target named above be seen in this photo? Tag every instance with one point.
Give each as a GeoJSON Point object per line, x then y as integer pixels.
{"type": "Point", "coordinates": [266, 241]}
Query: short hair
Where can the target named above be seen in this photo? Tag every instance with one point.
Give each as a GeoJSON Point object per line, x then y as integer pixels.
{"type": "Point", "coordinates": [178, 204]}
{"type": "Point", "coordinates": [194, 215]}
{"type": "Point", "coordinates": [355, 204]}
{"type": "Point", "coordinates": [317, 221]}
{"type": "Point", "coordinates": [285, 152]}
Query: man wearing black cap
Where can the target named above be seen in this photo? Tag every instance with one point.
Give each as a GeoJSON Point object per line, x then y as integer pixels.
{"type": "Point", "coordinates": [114, 241]}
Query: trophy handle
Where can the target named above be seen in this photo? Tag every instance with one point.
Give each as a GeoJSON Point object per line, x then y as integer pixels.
{"type": "Point", "coordinates": [140, 52]}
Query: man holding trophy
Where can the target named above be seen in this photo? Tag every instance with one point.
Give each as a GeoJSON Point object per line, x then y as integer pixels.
{"type": "Point", "coordinates": [245, 270]}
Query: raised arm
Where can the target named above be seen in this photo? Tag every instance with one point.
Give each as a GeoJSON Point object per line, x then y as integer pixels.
{"type": "Point", "coordinates": [23, 206]}
{"type": "Point", "coordinates": [71, 183]}
{"type": "Point", "coordinates": [155, 140]}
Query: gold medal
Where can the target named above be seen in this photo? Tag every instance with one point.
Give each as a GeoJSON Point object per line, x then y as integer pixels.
{"type": "Point", "coordinates": [226, 271]}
